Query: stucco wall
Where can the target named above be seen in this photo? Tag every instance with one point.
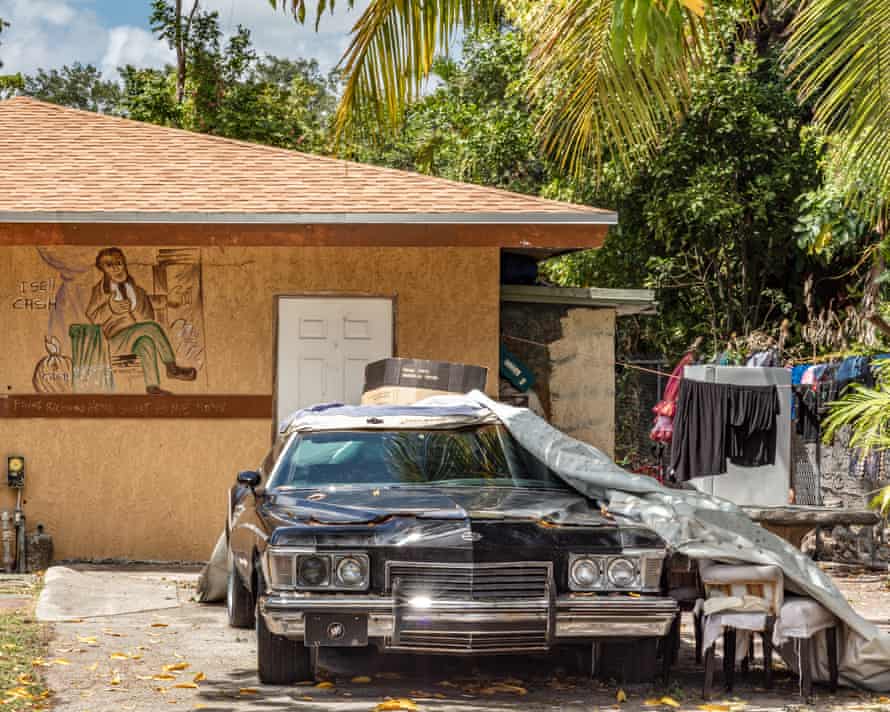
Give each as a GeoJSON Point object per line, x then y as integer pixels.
{"type": "Point", "coordinates": [571, 351]}
{"type": "Point", "coordinates": [155, 489]}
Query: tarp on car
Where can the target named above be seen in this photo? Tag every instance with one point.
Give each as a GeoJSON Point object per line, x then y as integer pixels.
{"type": "Point", "coordinates": [701, 527]}
{"type": "Point", "coordinates": [695, 524]}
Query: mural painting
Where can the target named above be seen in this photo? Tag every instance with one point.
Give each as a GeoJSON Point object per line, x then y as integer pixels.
{"type": "Point", "coordinates": [128, 326]}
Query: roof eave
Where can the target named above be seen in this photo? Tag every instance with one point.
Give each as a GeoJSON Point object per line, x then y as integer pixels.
{"type": "Point", "coordinates": [220, 218]}
{"type": "Point", "coordinates": [625, 302]}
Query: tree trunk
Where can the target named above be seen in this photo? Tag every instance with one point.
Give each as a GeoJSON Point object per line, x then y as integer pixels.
{"type": "Point", "coordinates": [181, 42]}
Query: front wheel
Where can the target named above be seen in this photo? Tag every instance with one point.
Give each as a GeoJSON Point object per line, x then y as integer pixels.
{"type": "Point", "coordinates": [239, 601]}
{"type": "Point", "coordinates": [280, 661]}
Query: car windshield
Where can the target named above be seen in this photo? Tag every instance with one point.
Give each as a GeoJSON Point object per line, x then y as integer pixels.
{"type": "Point", "coordinates": [483, 456]}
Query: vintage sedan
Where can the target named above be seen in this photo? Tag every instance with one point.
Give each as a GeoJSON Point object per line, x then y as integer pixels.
{"type": "Point", "coordinates": [430, 532]}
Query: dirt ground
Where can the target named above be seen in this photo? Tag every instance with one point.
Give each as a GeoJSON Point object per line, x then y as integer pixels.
{"type": "Point", "coordinates": [187, 658]}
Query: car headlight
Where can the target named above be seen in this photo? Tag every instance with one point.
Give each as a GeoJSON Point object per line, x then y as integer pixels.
{"type": "Point", "coordinates": [290, 570]}
{"type": "Point", "coordinates": [313, 570]}
{"type": "Point", "coordinates": [352, 572]}
{"type": "Point", "coordinates": [584, 574]}
{"type": "Point", "coordinates": [622, 573]}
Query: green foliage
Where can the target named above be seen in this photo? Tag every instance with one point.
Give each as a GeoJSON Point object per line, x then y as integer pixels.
{"type": "Point", "coordinates": [475, 127]}
{"type": "Point", "coordinates": [229, 91]}
{"type": "Point", "coordinates": [708, 222]}
{"type": "Point", "coordinates": [867, 412]}
{"type": "Point", "coordinates": [80, 86]}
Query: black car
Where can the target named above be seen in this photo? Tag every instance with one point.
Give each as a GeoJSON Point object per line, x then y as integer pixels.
{"type": "Point", "coordinates": [366, 527]}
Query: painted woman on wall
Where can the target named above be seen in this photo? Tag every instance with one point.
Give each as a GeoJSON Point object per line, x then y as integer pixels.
{"type": "Point", "coordinates": [123, 310]}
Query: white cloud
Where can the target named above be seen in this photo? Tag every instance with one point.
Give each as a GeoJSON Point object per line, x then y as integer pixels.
{"type": "Point", "coordinates": [47, 33]}
{"type": "Point", "coordinates": [276, 32]}
{"type": "Point", "coordinates": [133, 45]}
{"type": "Point", "coordinates": [51, 33]}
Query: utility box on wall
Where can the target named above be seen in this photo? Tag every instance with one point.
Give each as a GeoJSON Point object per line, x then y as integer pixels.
{"type": "Point", "coordinates": [764, 486]}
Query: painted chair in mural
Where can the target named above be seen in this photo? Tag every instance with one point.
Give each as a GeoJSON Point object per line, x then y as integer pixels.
{"type": "Point", "coordinates": [95, 369]}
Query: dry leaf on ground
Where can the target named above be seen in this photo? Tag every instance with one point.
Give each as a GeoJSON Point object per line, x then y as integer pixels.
{"type": "Point", "coordinates": [399, 704]}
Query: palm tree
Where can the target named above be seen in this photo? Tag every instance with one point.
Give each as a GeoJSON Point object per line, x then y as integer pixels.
{"type": "Point", "coordinates": [613, 72]}
{"type": "Point", "coordinates": [867, 412]}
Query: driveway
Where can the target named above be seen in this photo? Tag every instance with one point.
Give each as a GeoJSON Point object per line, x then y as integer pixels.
{"type": "Point", "coordinates": [161, 650]}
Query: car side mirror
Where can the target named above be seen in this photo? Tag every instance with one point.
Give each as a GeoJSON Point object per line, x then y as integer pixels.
{"type": "Point", "coordinates": [249, 478]}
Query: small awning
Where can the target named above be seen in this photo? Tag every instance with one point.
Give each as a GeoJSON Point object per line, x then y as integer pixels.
{"type": "Point", "coordinates": [625, 302]}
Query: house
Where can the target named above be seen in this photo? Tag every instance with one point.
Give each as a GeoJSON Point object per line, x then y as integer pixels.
{"type": "Point", "coordinates": [167, 296]}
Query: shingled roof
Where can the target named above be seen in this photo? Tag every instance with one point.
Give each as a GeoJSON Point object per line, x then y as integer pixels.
{"type": "Point", "coordinates": [64, 165]}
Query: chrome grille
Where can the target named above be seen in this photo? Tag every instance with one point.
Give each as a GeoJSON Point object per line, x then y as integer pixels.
{"type": "Point", "coordinates": [473, 582]}
{"type": "Point", "coordinates": [493, 642]}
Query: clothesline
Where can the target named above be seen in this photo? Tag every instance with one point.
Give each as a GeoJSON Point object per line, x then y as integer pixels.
{"type": "Point", "coordinates": [626, 364]}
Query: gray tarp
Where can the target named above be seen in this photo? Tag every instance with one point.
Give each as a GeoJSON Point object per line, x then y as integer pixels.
{"type": "Point", "coordinates": [694, 524]}
{"type": "Point", "coordinates": [703, 527]}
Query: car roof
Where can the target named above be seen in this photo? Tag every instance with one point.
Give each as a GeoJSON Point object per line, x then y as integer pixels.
{"type": "Point", "coordinates": [447, 412]}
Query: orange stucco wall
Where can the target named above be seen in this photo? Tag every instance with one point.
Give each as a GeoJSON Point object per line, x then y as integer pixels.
{"type": "Point", "coordinates": [155, 489]}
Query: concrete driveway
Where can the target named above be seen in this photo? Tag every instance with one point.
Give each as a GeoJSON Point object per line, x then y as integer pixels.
{"type": "Point", "coordinates": [160, 650]}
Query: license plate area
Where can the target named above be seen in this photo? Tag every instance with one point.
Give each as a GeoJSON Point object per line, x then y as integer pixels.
{"type": "Point", "coordinates": [343, 630]}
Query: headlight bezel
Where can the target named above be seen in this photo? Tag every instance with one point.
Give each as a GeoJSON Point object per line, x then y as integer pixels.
{"type": "Point", "coordinates": [647, 564]}
{"type": "Point", "coordinates": [284, 567]}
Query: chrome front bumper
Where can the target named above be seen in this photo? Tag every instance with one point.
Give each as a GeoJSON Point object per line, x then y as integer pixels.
{"type": "Point", "coordinates": [571, 618]}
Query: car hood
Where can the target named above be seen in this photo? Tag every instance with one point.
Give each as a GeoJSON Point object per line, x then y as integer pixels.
{"type": "Point", "coordinates": [484, 522]}
{"type": "Point", "coordinates": [362, 506]}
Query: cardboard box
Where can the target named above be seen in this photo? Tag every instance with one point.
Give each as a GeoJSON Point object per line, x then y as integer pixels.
{"type": "Point", "coordinates": [402, 381]}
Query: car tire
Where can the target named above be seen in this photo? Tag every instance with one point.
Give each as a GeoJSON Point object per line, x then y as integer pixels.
{"type": "Point", "coordinates": [239, 602]}
{"type": "Point", "coordinates": [280, 661]}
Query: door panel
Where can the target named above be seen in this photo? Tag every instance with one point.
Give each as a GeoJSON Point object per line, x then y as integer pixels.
{"type": "Point", "coordinates": [324, 344]}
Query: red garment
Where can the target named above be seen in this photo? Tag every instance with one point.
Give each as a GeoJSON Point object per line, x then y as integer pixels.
{"type": "Point", "coordinates": [663, 426]}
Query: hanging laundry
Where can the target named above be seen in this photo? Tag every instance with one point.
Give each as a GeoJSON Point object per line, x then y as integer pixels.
{"type": "Point", "coordinates": [699, 445]}
{"type": "Point", "coordinates": [663, 426]}
{"type": "Point", "coordinates": [807, 409]}
{"type": "Point", "coordinates": [752, 425]}
{"type": "Point", "coordinates": [716, 422]}
{"type": "Point", "coordinates": [768, 358]}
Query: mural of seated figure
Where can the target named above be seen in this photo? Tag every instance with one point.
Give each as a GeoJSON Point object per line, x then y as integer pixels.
{"type": "Point", "coordinates": [124, 312]}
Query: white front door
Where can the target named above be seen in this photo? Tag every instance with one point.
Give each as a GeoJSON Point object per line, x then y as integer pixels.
{"type": "Point", "coordinates": [324, 344]}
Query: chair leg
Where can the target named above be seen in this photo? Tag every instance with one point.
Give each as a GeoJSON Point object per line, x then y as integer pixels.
{"type": "Point", "coordinates": [729, 641]}
{"type": "Point", "coordinates": [831, 639]}
{"type": "Point", "coordinates": [699, 632]}
{"type": "Point", "coordinates": [709, 672]}
{"type": "Point", "coordinates": [806, 672]}
{"type": "Point", "coordinates": [749, 658]}
{"type": "Point", "coordinates": [768, 651]}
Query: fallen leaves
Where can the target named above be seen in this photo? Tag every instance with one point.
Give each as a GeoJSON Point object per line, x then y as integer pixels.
{"type": "Point", "coordinates": [248, 691]}
{"type": "Point", "coordinates": [397, 704]}
{"type": "Point", "coordinates": [503, 687]}
{"type": "Point", "coordinates": [175, 667]}
{"type": "Point", "coordinates": [621, 696]}
{"type": "Point", "coordinates": [325, 685]}
{"type": "Point", "coordinates": [361, 680]}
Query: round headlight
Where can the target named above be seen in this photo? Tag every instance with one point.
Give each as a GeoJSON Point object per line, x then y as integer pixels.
{"type": "Point", "coordinates": [622, 573]}
{"type": "Point", "coordinates": [350, 572]}
{"type": "Point", "coordinates": [313, 570]}
{"type": "Point", "coordinates": [585, 573]}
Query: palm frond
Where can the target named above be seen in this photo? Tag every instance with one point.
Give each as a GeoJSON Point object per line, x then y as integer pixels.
{"type": "Point", "coordinates": [394, 44]}
{"type": "Point", "coordinates": [610, 73]}
{"type": "Point", "coordinates": [867, 411]}
{"type": "Point", "coordinates": [839, 57]}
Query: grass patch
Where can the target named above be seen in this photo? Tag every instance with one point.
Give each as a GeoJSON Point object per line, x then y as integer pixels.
{"type": "Point", "coordinates": [22, 642]}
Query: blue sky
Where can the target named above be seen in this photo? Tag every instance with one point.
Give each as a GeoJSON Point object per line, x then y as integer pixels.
{"type": "Point", "coordinates": [110, 33]}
